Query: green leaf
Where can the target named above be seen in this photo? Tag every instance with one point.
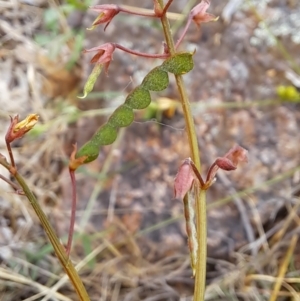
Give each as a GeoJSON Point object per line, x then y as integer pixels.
{"type": "Point", "coordinates": [123, 116]}
{"type": "Point", "coordinates": [156, 80]}
{"type": "Point", "coordinates": [138, 99]}
{"type": "Point", "coordinates": [178, 64]}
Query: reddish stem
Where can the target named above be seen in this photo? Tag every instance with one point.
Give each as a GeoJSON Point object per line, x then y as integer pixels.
{"type": "Point", "coordinates": [188, 23]}
{"type": "Point", "coordinates": [167, 7]}
{"type": "Point", "coordinates": [73, 212]}
{"type": "Point", "coordinates": [143, 54]}
{"type": "Point", "coordinates": [13, 185]}
{"type": "Point", "coordinates": [211, 172]}
{"type": "Point", "coordinates": [132, 12]}
{"type": "Point", "coordinates": [11, 156]}
{"type": "Point", "coordinates": [197, 173]}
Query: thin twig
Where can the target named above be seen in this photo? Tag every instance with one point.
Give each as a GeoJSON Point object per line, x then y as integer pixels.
{"type": "Point", "coordinates": [188, 23]}
{"type": "Point", "coordinates": [167, 7]}
{"type": "Point", "coordinates": [11, 156]}
{"type": "Point", "coordinates": [170, 15]}
{"type": "Point", "coordinates": [73, 211]}
{"type": "Point", "coordinates": [13, 185]}
{"type": "Point", "coordinates": [143, 54]}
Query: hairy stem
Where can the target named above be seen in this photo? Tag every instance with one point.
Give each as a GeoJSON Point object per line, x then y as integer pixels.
{"type": "Point", "coordinates": [200, 199]}
{"type": "Point", "coordinates": [58, 248]}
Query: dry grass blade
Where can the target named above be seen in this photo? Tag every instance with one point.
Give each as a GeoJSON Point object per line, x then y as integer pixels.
{"type": "Point", "coordinates": [283, 267]}
{"type": "Point", "coordinates": [4, 274]}
{"type": "Point", "coordinates": [52, 291]}
{"type": "Point", "coordinates": [272, 279]}
{"type": "Point", "coordinates": [291, 217]}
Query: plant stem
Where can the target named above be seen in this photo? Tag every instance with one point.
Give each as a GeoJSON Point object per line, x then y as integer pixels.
{"type": "Point", "coordinates": [142, 54]}
{"type": "Point", "coordinates": [125, 9]}
{"type": "Point", "coordinates": [12, 184]}
{"type": "Point", "coordinates": [200, 199]}
{"type": "Point", "coordinates": [201, 226]}
{"type": "Point", "coordinates": [11, 156]}
{"type": "Point", "coordinates": [188, 23]}
{"type": "Point", "coordinates": [167, 6]}
{"type": "Point", "coordinates": [73, 211]}
{"type": "Point", "coordinates": [58, 248]}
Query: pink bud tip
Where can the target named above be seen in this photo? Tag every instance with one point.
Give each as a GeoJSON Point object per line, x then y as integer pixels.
{"type": "Point", "coordinates": [184, 179]}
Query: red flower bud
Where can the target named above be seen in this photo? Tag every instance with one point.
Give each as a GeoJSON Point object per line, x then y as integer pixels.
{"type": "Point", "coordinates": [184, 179]}
{"type": "Point", "coordinates": [199, 14]}
{"type": "Point", "coordinates": [107, 12]}
{"type": "Point", "coordinates": [18, 129]}
{"type": "Point", "coordinates": [237, 154]}
{"type": "Point", "coordinates": [103, 55]}
{"type": "Point", "coordinates": [225, 164]}
{"type": "Point", "coordinates": [229, 162]}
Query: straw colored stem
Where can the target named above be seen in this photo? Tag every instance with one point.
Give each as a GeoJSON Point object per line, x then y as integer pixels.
{"type": "Point", "coordinates": [58, 248]}
{"type": "Point", "coordinates": [200, 199]}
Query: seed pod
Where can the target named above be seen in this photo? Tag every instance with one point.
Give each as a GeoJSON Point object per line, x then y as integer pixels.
{"type": "Point", "coordinates": [106, 135]}
{"type": "Point", "coordinates": [156, 80]}
{"type": "Point", "coordinates": [138, 99]}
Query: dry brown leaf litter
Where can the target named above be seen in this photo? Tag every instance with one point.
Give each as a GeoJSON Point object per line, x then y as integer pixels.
{"type": "Point", "coordinates": [228, 68]}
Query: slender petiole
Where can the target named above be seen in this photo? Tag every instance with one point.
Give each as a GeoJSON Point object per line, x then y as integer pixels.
{"type": "Point", "coordinates": [12, 184]}
{"type": "Point", "coordinates": [11, 156]}
{"type": "Point", "coordinates": [188, 23]}
{"type": "Point", "coordinates": [167, 7]}
{"type": "Point", "coordinates": [142, 54]}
